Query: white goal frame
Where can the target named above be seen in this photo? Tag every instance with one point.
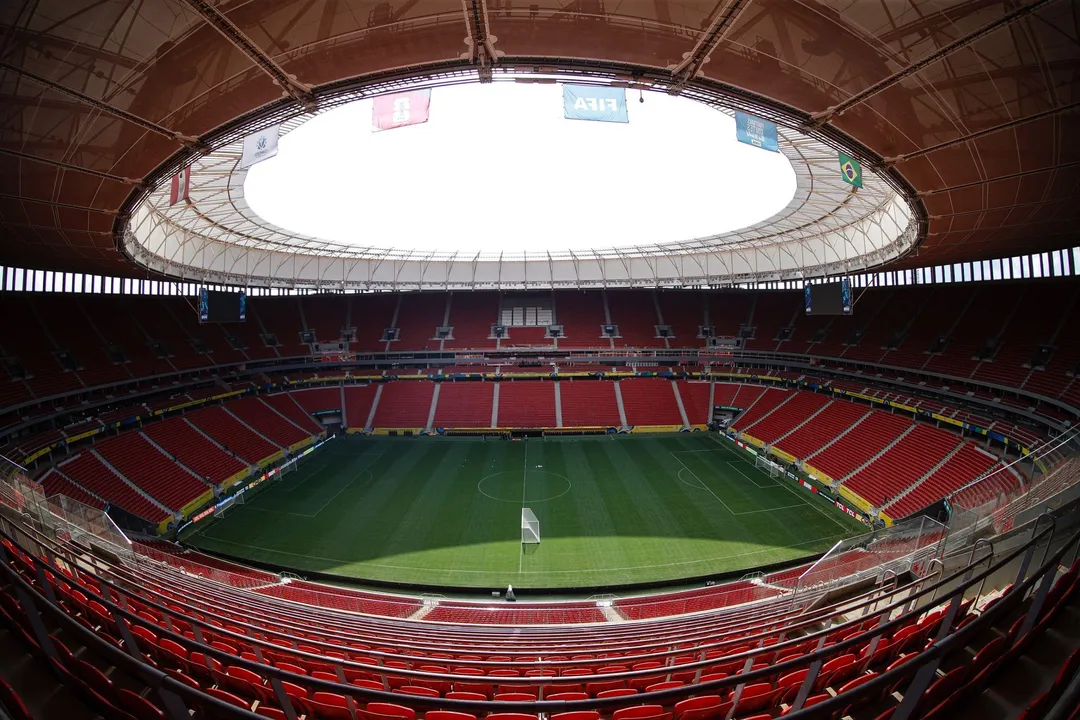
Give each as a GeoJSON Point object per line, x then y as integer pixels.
{"type": "Point", "coordinates": [530, 527]}
{"type": "Point", "coordinates": [219, 511]}
{"type": "Point", "coordinates": [766, 465]}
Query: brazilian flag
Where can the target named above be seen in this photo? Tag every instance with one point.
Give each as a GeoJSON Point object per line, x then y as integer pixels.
{"type": "Point", "coordinates": [850, 170]}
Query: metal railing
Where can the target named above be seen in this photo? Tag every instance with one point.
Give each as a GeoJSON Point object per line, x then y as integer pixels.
{"type": "Point", "coordinates": [46, 557]}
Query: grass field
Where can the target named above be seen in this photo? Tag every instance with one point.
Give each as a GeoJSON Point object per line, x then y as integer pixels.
{"type": "Point", "coordinates": [447, 511]}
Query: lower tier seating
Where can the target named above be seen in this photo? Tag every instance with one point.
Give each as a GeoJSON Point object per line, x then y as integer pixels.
{"type": "Point", "coordinates": [587, 403]}
{"type": "Point", "coordinates": [650, 401]}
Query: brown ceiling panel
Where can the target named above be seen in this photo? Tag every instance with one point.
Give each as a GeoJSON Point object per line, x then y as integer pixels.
{"type": "Point", "coordinates": [982, 133]}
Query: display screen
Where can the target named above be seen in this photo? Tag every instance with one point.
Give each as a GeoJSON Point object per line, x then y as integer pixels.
{"type": "Point", "coordinates": [217, 306]}
{"type": "Point", "coordinates": [833, 298]}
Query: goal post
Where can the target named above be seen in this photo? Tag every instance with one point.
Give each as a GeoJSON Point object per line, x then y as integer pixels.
{"type": "Point", "coordinates": [219, 511]}
{"type": "Point", "coordinates": [530, 527]}
{"type": "Point", "coordinates": [767, 466]}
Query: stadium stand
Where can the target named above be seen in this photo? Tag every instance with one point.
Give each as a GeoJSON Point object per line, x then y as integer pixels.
{"type": "Point", "coordinates": [903, 463]}
{"type": "Point", "coordinates": [358, 402]}
{"type": "Point", "coordinates": [581, 315]}
{"type": "Point", "coordinates": [404, 404]}
{"type": "Point", "coordinates": [761, 406]}
{"type": "Point", "coordinates": [232, 434]}
{"type": "Point", "coordinates": [325, 315]}
{"type": "Point", "coordinates": [801, 408]}
{"type": "Point", "coordinates": [828, 425]}
{"type": "Point", "coordinates": [418, 316]}
{"type": "Point", "coordinates": [87, 470]}
{"type": "Point", "coordinates": [527, 403]}
{"type": "Point", "coordinates": [184, 442]}
{"type": "Point", "coordinates": [286, 405]}
{"type": "Point", "coordinates": [650, 401]}
{"type": "Point", "coordinates": [851, 451]}
{"type": "Point", "coordinates": [635, 314]}
{"type": "Point", "coordinates": [146, 466]}
{"type": "Point", "coordinates": [371, 315]}
{"type": "Point", "coordinates": [471, 315]}
{"type": "Point", "coordinates": [265, 421]}
{"type": "Point", "coordinates": [588, 403]}
{"type": "Point", "coordinates": [464, 404]}
{"type": "Point", "coordinates": [684, 313]}
{"type": "Point", "coordinates": [695, 397]}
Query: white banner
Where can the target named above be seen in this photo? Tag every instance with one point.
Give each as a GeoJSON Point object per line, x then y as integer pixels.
{"type": "Point", "coordinates": [260, 146]}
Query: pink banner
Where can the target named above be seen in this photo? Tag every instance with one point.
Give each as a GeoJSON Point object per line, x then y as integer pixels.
{"type": "Point", "coordinates": [398, 110]}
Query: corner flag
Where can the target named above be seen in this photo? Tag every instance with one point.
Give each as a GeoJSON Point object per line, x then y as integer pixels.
{"type": "Point", "coordinates": [850, 170]}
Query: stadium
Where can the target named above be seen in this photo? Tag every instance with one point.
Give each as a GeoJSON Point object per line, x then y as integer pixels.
{"type": "Point", "coordinates": [575, 360]}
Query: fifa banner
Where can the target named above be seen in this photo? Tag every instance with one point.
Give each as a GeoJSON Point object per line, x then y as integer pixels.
{"type": "Point", "coordinates": [401, 109]}
{"type": "Point", "coordinates": [755, 131]}
{"type": "Point", "coordinates": [595, 102]}
{"type": "Point", "coordinates": [260, 146]}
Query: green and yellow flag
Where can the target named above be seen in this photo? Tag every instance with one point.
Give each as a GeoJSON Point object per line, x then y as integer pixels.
{"type": "Point", "coordinates": [850, 170]}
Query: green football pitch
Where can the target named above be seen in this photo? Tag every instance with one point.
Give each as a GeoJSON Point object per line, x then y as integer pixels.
{"type": "Point", "coordinates": [613, 510]}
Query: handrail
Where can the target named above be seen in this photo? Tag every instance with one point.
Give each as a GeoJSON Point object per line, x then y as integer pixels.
{"type": "Point", "coordinates": [820, 654]}
{"type": "Point", "coordinates": [1046, 571]}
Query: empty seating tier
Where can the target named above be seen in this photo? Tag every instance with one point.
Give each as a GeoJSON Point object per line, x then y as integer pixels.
{"type": "Point", "coordinates": [464, 404]}
{"type": "Point", "coordinates": [287, 406]}
{"type": "Point", "coordinates": [826, 426]}
{"type": "Point", "coordinates": [589, 403]}
{"type": "Point", "coordinates": [404, 404]}
{"type": "Point", "coordinates": [185, 443]}
{"type": "Point", "coordinates": [264, 420]}
{"type": "Point", "coordinates": [146, 466]}
{"type": "Point", "coordinates": [650, 401]}
{"type": "Point", "coordinates": [856, 448]}
{"type": "Point", "coordinates": [794, 412]}
{"type": "Point", "coordinates": [232, 435]}
{"type": "Point", "coordinates": [903, 464]}
{"type": "Point", "coordinates": [526, 403]}
{"type": "Point", "coordinates": [89, 472]}
{"type": "Point", "coordinates": [695, 399]}
{"type": "Point", "coordinates": [762, 406]}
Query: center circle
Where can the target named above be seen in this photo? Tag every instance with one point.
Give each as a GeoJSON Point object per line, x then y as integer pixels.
{"type": "Point", "coordinates": [539, 486]}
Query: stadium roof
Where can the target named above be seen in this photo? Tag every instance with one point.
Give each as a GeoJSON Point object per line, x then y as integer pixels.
{"type": "Point", "coordinates": [965, 110]}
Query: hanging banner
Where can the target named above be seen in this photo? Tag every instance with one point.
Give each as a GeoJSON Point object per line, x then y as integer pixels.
{"type": "Point", "coordinates": [401, 109]}
{"type": "Point", "coordinates": [180, 187]}
{"type": "Point", "coordinates": [850, 170]}
{"type": "Point", "coordinates": [594, 102]}
{"type": "Point", "coordinates": [755, 131]}
{"type": "Point", "coordinates": [260, 146]}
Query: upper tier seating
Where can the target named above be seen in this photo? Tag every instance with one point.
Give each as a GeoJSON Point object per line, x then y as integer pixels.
{"type": "Point", "coordinates": [143, 464]}
{"type": "Point", "coordinates": [89, 472]}
{"type": "Point", "coordinates": [649, 401]}
{"type": "Point", "coordinates": [581, 314]}
{"type": "Point", "coordinates": [685, 313]}
{"type": "Point", "coordinates": [404, 404]}
{"type": "Point", "coordinates": [233, 435]}
{"type": "Point", "coordinates": [177, 437]}
{"type": "Point", "coordinates": [900, 466]}
{"type": "Point", "coordinates": [589, 403]}
{"type": "Point", "coordinates": [325, 315]}
{"type": "Point", "coordinates": [526, 403]}
{"type": "Point", "coordinates": [635, 314]}
{"type": "Point", "coordinates": [371, 315]}
{"type": "Point", "coordinates": [464, 404]}
{"type": "Point", "coordinates": [418, 317]}
{"type": "Point", "coordinates": [263, 419]}
{"type": "Point", "coordinates": [471, 315]}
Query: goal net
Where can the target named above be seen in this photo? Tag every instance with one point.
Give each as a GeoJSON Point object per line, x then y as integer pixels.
{"type": "Point", "coordinates": [219, 511]}
{"type": "Point", "coordinates": [768, 466]}
{"type": "Point", "coordinates": [530, 527]}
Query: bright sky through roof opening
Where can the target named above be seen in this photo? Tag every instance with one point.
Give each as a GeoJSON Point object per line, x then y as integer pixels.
{"type": "Point", "coordinates": [497, 167]}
